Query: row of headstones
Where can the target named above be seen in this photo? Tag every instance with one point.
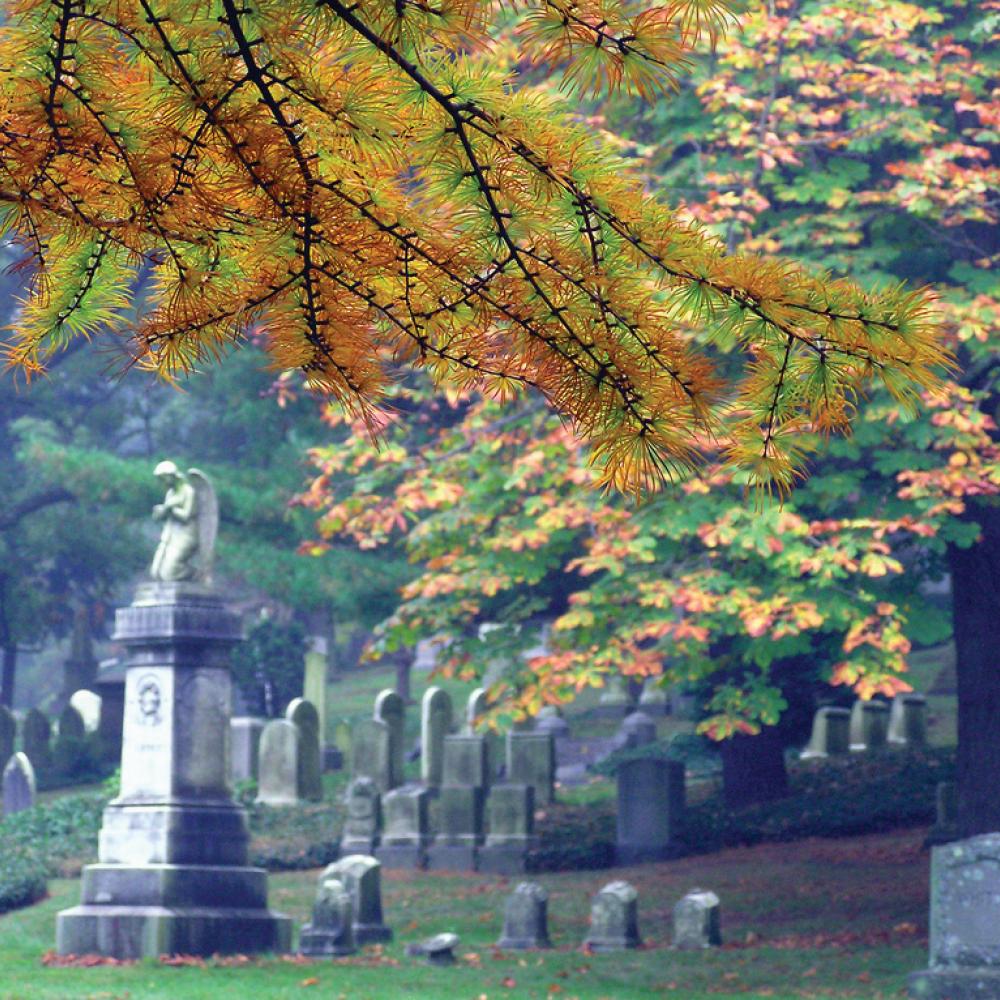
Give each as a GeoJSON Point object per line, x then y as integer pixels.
{"type": "Point", "coordinates": [348, 912]}
{"type": "Point", "coordinates": [869, 725]}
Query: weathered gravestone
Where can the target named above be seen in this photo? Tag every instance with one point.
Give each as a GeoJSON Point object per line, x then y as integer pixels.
{"type": "Point", "coordinates": [70, 739]}
{"type": "Point", "coordinates": [654, 699]}
{"type": "Point", "coordinates": [475, 708]}
{"type": "Point", "coordinates": [460, 804]}
{"type": "Point", "coordinates": [342, 741]}
{"type": "Point", "coordinates": [965, 915]}
{"type": "Point", "coordinates": [614, 699]}
{"type": "Point", "coordinates": [869, 725]}
{"type": "Point", "coordinates": [331, 930]}
{"type": "Point", "coordinates": [244, 747]}
{"type": "Point", "coordinates": [390, 709]}
{"type": "Point", "coordinates": [945, 828]}
{"type": "Point", "coordinates": [435, 725]}
{"type": "Point", "coordinates": [908, 720]}
{"type": "Point", "coordinates": [303, 715]}
{"type": "Point", "coordinates": [437, 950]}
{"type": "Point", "coordinates": [511, 825]}
{"type": "Point", "coordinates": [549, 721]}
{"type": "Point", "coordinates": [406, 834]}
{"type": "Point", "coordinates": [830, 733]}
{"type": "Point", "coordinates": [362, 878]}
{"type": "Point", "coordinates": [36, 737]}
{"type": "Point", "coordinates": [650, 813]}
{"type": "Point", "coordinates": [8, 733]}
{"type": "Point", "coordinates": [314, 683]}
{"type": "Point", "coordinates": [371, 753]}
{"type": "Point", "coordinates": [88, 704]}
{"type": "Point", "coordinates": [531, 760]}
{"type": "Point", "coordinates": [525, 918]}
{"type": "Point", "coordinates": [697, 921]}
{"type": "Point", "coordinates": [614, 918]}
{"type": "Point", "coordinates": [363, 823]}
{"type": "Point", "coordinates": [278, 764]}
{"type": "Point", "coordinates": [18, 784]}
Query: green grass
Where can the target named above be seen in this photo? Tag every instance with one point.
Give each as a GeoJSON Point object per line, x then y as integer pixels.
{"type": "Point", "coordinates": [817, 918]}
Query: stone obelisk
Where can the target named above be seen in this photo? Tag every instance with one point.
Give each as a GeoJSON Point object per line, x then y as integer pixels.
{"type": "Point", "coordinates": [172, 875]}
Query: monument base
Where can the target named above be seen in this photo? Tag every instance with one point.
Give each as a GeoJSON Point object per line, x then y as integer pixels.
{"type": "Point", "coordinates": [453, 857]}
{"type": "Point", "coordinates": [640, 854]}
{"type": "Point", "coordinates": [954, 984]}
{"type": "Point", "coordinates": [408, 856]}
{"type": "Point", "coordinates": [319, 942]}
{"type": "Point", "coordinates": [612, 944]}
{"type": "Point", "coordinates": [503, 859]}
{"type": "Point", "coordinates": [358, 846]}
{"type": "Point", "coordinates": [372, 933]}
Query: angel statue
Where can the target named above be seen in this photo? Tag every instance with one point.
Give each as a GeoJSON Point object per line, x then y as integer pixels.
{"type": "Point", "coordinates": [190, 516]}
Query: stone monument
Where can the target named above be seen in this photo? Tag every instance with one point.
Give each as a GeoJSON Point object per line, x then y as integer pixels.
{"type": "Point", "coordinates": [244, 748]}
{"type": "Point", "coordinates": [362, 878]}
{"type": "Point", "coordinates": [406, 834]}
{"type": "Point", "coordinates": [830, 733]}
{"type": "Point", "coordinates": [18, 784]}
{"type": "Point", "coordinates": [696, 921]}
{"type": "Point", "coordinates": [511, 825]}
{"type": "Point", "coordinates": [363, 823]}
{"type": "Point", "coordinates": [525, 918]}
{"type": "Point", "coordinates": [88, 704]}
{"type": "Point", "coordinates": [331, 930]}
{"type": "Point", "coordinates": [614, 921]}
{"type": "Point", "coordinates": [435, 724]}
{"type": "Point", "coordinates": [172, 875]}
{"type": "Point", "coordinates": [303, 715]}
{"type": "Point", "coordinates": [531, 760]}
{"type": "Point", "coordinates": [36, 739]}
{"type": "Point", "coordinates": [908, 720]}
{"type": "Point", "coordinates": [650, 812]}
{"type": "Point", "coordinates": [390, 709]}
{"type": "Point", "coordinates": [278, 764]}
{"type": "Point", "coordinates": [869, 725]}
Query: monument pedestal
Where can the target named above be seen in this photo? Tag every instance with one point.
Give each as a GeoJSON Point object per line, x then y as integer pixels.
{"type": "Point", "coordinates": [172, 875]}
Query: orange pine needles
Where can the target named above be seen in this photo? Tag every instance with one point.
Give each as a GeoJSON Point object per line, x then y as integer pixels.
{"type": "Point", "coordinates": [355, 180]}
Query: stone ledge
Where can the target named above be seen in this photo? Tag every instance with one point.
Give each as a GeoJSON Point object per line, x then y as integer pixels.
{"type": "Point", "coordinates": [954, 984]}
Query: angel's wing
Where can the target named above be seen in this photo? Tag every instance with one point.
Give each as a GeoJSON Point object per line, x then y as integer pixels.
{"type": "Point", "coordinates": [208, 521]}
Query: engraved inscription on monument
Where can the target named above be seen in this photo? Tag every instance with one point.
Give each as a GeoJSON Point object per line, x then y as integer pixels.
{"type": "Point", "coordinates": [148, 699]}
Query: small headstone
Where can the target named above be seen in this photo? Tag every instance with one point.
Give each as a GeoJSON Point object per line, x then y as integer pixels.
{"type": "Point", "coordinates": [696, 921]}
{"type": "Point", "coordinates": [278, 764]}
{"type": "Point", "coordinates": [244, 747]}
{"type": "Point", "coordinates": [639, 728]}
{"type": "Point", "coordinates": [435, 725]}
{"type": "Point", "coordinates": [36, 735]}
{"type": "Point", "coordinates": [511, 824]}
{"type": "Point", "coordinates": [614, 918]}
{"type": "Point", "coordinates": [437, 950]}
{"type": "Point", "coordinates": [18, 784]}
{"type": "Point", "coordinates": [908, 720]}
{"type": "Point", "coordinates": [475, 707]}
{"type": "Point", "coordinates": [363, 823]}
{"type": "Point", "coordinates": [650, 812]}
{"type": "Point", "coordinates": [71, 726]}
{"type": "Point", "coordinates": [551, 722]}
{"type": "Point", "coordinates": [531, 760]}
{"type": "Point", "coordinates": [88, 704]}
{"type": "Point", "coordinates": [869, 725]}
{"type": "Point", "coordinates": [830, 733]}
{"type": "Point", "coordinates": [614, 699]}
{"type": "Point", "coordinates": [362, 878]}
{"type": "Point", "coordinates": [406, 832]}
{"type": "Point", "coordinates": [654, 699]}
{"type": "Point", "coordinates": [331, 931]}
{"type": "Point", "coordinates": [525, 918]}
{"type": "Point", "coordinates": [391, 709]}
{"type": "Point", "coordinates": [371, 753]}
{"type": "Point", "coordinates": [314, 683]}
{"type": "Point", "coordinates": [303, 715]}
{"type": "Point", "coordinates": [460, 833]}
{"type": "Point", "coordinates": [465, 761]}
{"type": "Point", "coordinates": [965, 914]}
{"type": "Point", "coordinates": [8, 733]}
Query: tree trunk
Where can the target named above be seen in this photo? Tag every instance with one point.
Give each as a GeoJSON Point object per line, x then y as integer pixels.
{"type": "Point", "coordinates": [975, 578]}
{"type": "Point", "coordinates": [9, 673]}
{"type": "Point", "coordinates": [753, 768]}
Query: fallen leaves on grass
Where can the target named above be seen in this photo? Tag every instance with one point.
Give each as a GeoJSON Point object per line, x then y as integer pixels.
{"type": "Point", "coordinates": [907, 932]}
{"type": "Point", "coordinates": [50, 958]}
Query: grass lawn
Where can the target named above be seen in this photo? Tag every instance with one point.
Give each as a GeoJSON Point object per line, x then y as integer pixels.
{"type": "Point", "coordinates": [816, 918]}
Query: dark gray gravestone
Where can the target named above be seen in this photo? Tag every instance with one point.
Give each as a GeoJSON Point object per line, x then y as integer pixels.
{"type": "Point", "coordinates": [331, 930]}
{"type": "Point", "coordinates": [614, 919]}
{"type": "Point", "coordinates": [525, 918]}
{"type": "Point", "coordinates": [945, 828]}
{"type": "Point", "coordinates": [371, 753]}
{"type": "Point", "coordinates": [8, 733]}
{"type": "Point", "coordinates": [391, 710]}
{"type": "Point", "coordinates": [407, 828]}
{"type": "Point", "coordinates": [531, 760]}
{"type": "Point", "coordinates": [830, 733]}
{"type": "Point", "coordinates": [965, 914]}
{"type": "Point", "coordinates": [18, 784]}
{"type": "Point", "coordinates": [511, 823]}
{"type": "Point", "coordinates": [650, 810]}
{"type": "Point", "coordinates": [303, 715]}
{"type": "Point", "coordinates": [435, 724]}
{"type": "Point", "coordinates": [869, 725]}
{"type": "Point", "coordinates": [460, 818]}
{"type": "Point", "coordinates": [908, 720]}
{"type": "Point", "coordinates": [36, 736]}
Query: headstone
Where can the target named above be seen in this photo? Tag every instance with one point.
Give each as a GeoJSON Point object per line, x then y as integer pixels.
{"type": "Point", "coordinates": [406, 832]}
{"type": "Point", "coordinates": [464, 761]}
{"type": "Point", "coordinates": [639, 728]}
{"type": "Point", "coordinates": [8, 733]}
{"type": "Point", "coordinates": [88, 704]}
{"type": "Point", "coordinates": [362, 878]}
{"type": "Point", "coordinates": [331, 930]}
{"type": "Point", "coordinates": [460, 833]}
{"type": "Point", "coordinates": [110, 686]}
{"type": "Point", "coordinates": [965, 913]}
{"type": "Point", "coordinates": [437, 950]}
{"type": "Point", "coordinates": [531, 760]}
{"type": "Point", "coordinates": [945, 828]}
{"type": "Point", "coordinates": [830, 733]}
{"type": "Point", "coordinates": [278, 764]}
{"type": "Point", "coordinates": [244, 747]}
{"type": "Point", "coordinates": [614, 699]}
{"type": "Point", "coordinates": [18, 784]}
{"type": "Point", "coordinates": [550, 721]}
{"type": "Point", "coordinates": [391, 709]}
{"type": "Point", "coordinates": [303, 715]}
{"type": "Point", "coordinates": [614, 918]}
{"type": "Point", "coordinates": [371, 753]}
{"type": "Point", "coordinates": [72, 731]}
{"type": "Point", "coordinates": [36, 736]}
{"type": "Point", "coordinates": [525, 918]}
{"type": "Point", "coordinates": [314, 683]}
{"type": "Point", "coordinates": [650, 813]}
{"type": "Point", "coordinates": [654, 699]}
{"type": "Point", "coordinates": [363, 823]}
{"type": "Point", "coordinates": [511, 829]}
{"type": "Point", "coordinates": [696, 921]}
{"type": "Point", "coordinates": [475, 707]}
{"type": "Point", "coordinates": [426, 654]}
{"type": "Point", "coordinates": [869, 725]}
{"type": "Point", "coordinates": [908, 720]}
{"type": "Point", "coordinates": [435, 725]}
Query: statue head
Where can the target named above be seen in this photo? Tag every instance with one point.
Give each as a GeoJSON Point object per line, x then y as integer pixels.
{"type": "Point", "coordinates": [167, 471]}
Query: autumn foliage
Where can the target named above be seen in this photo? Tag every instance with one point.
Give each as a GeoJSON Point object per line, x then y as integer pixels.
{"type": "Point", "coordinates": [363, 183]}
